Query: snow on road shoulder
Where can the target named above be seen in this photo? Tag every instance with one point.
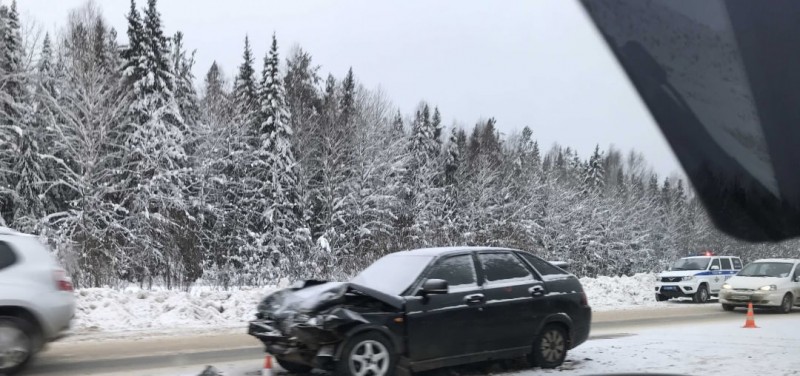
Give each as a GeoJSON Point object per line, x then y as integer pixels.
{"type": "Point", "coordinates": [133, 308]}
{"type": "Point", "coordinates": [720, 348]}
{"type": "Point", "coordinates": [108, 310]}
{"type": "Point", "coordinates": [624, 292]}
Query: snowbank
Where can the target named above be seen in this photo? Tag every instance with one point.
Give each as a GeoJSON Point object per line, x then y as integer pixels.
{"type": "Point", "coordinates": [109, 310]}
{"type": "Point", "coordinates": [104, 309]}
{"type": "Point", "coordinates": [609, 293]}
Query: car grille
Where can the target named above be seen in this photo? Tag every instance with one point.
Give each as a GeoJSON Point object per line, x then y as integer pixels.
{"type": "Point", "coordinates": [671, 279]}
{"type": "Point", "coordinates": [748, 290]}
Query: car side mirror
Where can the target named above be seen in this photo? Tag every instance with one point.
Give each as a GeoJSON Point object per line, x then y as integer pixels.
{"type": "Point", "coordinates": [714, 267]}
{"type": "Point", "coordinates": [434, 287]}
{"type": "Point", "coordinates": [797, 278]}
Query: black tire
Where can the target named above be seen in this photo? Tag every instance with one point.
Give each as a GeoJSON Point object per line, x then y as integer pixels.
{"type": "Point", "coordinates": [786, 303]}
{"type": "Point", "coordinates": [21, 350]}
{"type": "Point", "coordinates": [550, 347]}
{"type": "Point", "coordinates": [728, 307]}
{"type": "Point", "coordinates": [701, 296]}
{"type": "Point", "coordinates": [367, 347]}
{"type": "Point", "coordinates": [661, 298]}
{"type": "Point", "coordinates": [293, 367]}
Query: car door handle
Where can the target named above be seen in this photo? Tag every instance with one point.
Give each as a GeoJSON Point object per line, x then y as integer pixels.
{"type": "Point", "coordinates": [473, 299]}
{"type": "Point", "coordinates": [536, 291]}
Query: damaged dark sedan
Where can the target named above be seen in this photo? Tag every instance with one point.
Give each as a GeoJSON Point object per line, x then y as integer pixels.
{"type": "Point", "coordinates": [428, 308]}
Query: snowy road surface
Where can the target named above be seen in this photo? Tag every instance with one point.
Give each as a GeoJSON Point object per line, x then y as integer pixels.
{"type": "Point", "coordinates": [683, 338]}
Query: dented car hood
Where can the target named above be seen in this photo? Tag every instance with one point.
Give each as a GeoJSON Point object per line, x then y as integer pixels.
{"type": "Point", "coordinates": [315, 296]}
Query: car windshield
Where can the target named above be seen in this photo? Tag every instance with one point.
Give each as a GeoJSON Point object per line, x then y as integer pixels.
{"type": "Point", "coordinates": [766, 269]}
{"type": "Point", "coordinates": [392, 274]}
{"type": "Point", "coordinates": [691, 263]}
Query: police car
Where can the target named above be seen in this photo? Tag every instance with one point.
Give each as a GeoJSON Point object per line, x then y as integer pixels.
{"type": "Point", "coordinates": [696, 277]}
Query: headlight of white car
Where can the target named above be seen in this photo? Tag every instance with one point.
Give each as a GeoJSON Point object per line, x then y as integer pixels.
{"type": "Point", "coordinates": [768, 288]}
{"type": "Point", "coordinates": [726, 286]}
{"type": "Point", "coordinates": [688, 278]}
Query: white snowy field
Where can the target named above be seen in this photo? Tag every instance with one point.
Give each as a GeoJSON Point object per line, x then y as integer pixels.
{"type": "Point", "coordinates": [133, 308]}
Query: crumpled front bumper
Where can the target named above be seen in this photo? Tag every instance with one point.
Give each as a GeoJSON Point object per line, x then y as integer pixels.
{"type": "Point", "coordinates": [305, 349]}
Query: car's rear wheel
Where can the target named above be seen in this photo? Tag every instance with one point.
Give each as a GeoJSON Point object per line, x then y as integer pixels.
{"type": "Point", "coordinates": [550, 347]}
{"type": "Point", "coordinates": [786, 304]}
{"type": "Point", "coordinates": [293, 367]}
{"type": "Point", "coordinates": [367, 354]}
{"type": "Point", "coordinates": [728, 307]}
{"type": "Point", "coordinates": [661, 298]}
{"type": "Point", "coordinates": [701, 296]}
{"type": "Point", "coordinates": [16, 344]}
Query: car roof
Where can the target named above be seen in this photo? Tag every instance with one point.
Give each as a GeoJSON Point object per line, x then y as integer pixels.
{"type": "Point", "coordinates": [439, 251]}
{"type": "Point", "coordinates": [710, 256]}
{"type": "Point", "coordinates": [779, 260]}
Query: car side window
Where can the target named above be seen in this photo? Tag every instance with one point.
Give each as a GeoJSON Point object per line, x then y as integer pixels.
{"type": "Point", "coordinates": [726, 264]}
{"type": "Point", "coordinates": [458, 271]}
{"type": "Point", "coordinates": [714, 262]}
{"type": "Point", "coordinates": [503, 267]}
{"type": "Point", "coordinates": [541, 266]}
{"type": "Point", "coordinates": [7, 256]}
{"type": "Point", "coordinates": [737, 263]}
{"type": "Point", "coordinates": [796, 272]}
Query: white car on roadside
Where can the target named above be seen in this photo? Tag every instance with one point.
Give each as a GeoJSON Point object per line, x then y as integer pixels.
{"type": "Point", "coordinates": [696, 277]}
{"type": "Point", "coordinates": [37, 303]}
{"type": "Point", "coordinates": [771, 283]}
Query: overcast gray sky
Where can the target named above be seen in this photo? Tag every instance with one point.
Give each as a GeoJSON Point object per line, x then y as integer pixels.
{"type": "Point", "coordinates": [537, 63]}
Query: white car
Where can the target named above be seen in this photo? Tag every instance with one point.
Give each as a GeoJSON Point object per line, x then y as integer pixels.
{"type": "Point", "coordinates": [696, 277]}
{"type": "Point", "coordinates": [37, 303]}
{"type": "Point", "coordinates": [765, 283]}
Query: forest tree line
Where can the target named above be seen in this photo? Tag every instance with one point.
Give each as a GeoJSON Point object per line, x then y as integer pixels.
{"type": "Point", "coordinates": [134, 170]}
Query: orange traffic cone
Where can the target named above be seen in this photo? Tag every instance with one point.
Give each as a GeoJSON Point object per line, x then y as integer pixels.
{"type": "Point", "coordinates": [267, 370]}
{"type": "Point", "coordinates": [750, 322]}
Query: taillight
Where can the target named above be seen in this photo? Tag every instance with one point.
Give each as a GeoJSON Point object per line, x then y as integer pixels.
{"type": "Point", "coordinates": [63, 283]}
{"type": "Point", "coordinates": [584, 300]}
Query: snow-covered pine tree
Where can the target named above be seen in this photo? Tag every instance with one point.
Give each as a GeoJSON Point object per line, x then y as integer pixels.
{"type": "Point", "coordinates": [346, 105]}
{"type": "Point", "coordinates": [152, 172]}
{"type": "Point", "coordinates": [303, 100]}
{"type": "Point", "coordinates": [216, 101]}
{"type": "Point", "coordinates": [185, 93]}
{"type": "Point", "coordinates": [594, 177]}
{"type": "Point", "coordinates": [245, 93]}
{"type": "Point", "coordinates": [287, 235]}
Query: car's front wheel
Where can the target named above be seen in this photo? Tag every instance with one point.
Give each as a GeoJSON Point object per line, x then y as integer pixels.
{"type": "Point", "coordinates": [293, 367]}
{"type": "Point", "coordinates": [786, 304]}
{"type": "Point", "coordinates": [367, 354]}
{"type": "Point", "coordinates": [550, 347]}
{"type": "Point", "coordinates": [701, 296]}
{"type": "Point", "coordinates": [16, 344]}
{"type": "Point", "coordinates": [661, 298]}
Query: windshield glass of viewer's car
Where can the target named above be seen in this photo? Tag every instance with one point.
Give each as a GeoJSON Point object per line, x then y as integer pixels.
{"type": "Point", "coordinates": [766, 269]}
{"type": "Point", "coordinates": [392, 274]}
{"type": "Point", "coordinates": [691, 263]}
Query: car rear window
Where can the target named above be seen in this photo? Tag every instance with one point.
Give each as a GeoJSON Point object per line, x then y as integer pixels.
{"type": "Point", "coordinates": [737, 263]}
{"type": "Point", "coordinates": [458, 271]}
{"type": "Point", "coordinates": [541, 266]}
{"type": "Point", "coordinates": [7, 256]}
{"type": "Point", "coordinates": [503, 267]}
{"type": "Point", "coordinates": [726, 264]}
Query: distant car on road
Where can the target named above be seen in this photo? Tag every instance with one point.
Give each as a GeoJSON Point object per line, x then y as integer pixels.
{"type": "Point", "coordinates": [696, 277]}
{"type": "Point", "coordinates": [428, 308]}
{"type": "Point", "coordinates": [765, 283]}
{"type": "Point", "coordinates": [36, 299]}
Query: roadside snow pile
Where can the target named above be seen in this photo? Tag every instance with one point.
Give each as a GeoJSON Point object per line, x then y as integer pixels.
{"type": "Point", "coordinates": [105, 309]}
{"type": "Point", "coordinates": [607, 293]}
